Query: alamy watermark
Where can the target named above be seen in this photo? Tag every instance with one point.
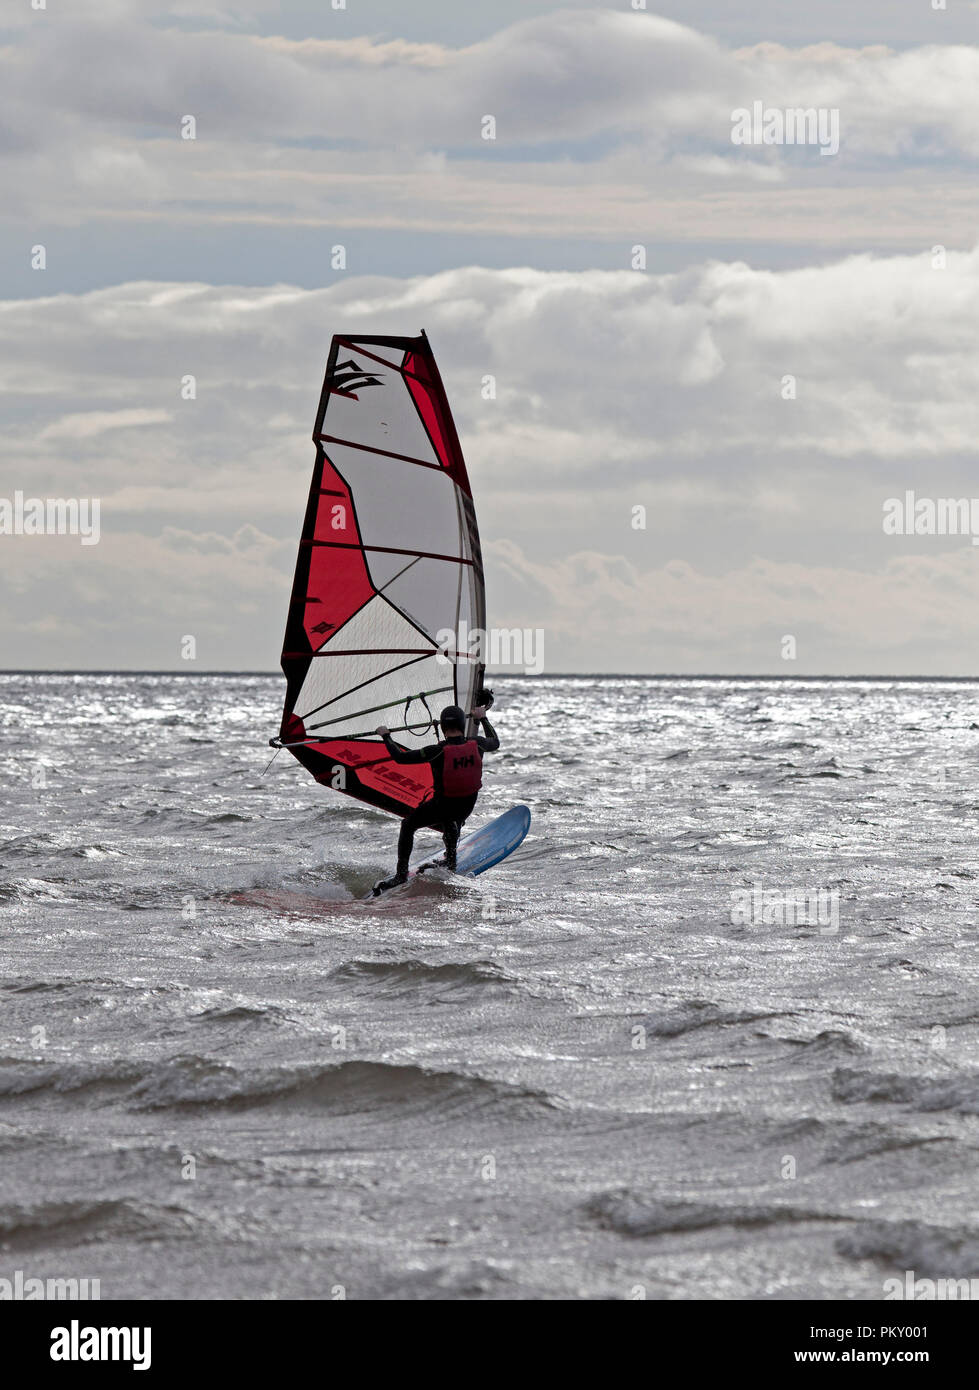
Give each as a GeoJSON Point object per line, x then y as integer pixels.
{"type": "Point", "coordinates": [51, 516]}
{"type": "Point", "coordinates": [496, 647]}
{"type": "Point", "coordinates": [928, 1290]}
{"type": "Point", "coordinates": [911, 515]}
{"type": "Point", "coordinates": [769, 125]}
{"type": "Point", "coordinates": [24, 1288]}
{"type": "Point", "coordinates": [77, 1343]}
{"type": "Point", "coordinates": [786, 907]}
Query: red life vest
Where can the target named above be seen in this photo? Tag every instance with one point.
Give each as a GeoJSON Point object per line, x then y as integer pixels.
{"type": "Point", "coordinates": [462, 768]}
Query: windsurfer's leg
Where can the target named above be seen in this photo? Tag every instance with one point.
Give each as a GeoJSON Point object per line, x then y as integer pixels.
{"type": "Point", "coordinates": [406, 837]}
{"type": "Point", "coordinates": [462, 808]}
{"type": "Point", "coordinates": [450, 838]}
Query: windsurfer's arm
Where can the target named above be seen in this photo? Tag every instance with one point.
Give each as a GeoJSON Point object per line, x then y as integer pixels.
{"type": "Point", "coordinates": [406, 755]}
{"type": "Point", "coordinates": [488, 741]}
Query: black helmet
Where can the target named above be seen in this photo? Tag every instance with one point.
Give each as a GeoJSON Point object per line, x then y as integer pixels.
{"type": "Point", "coordinates": [452, 717]}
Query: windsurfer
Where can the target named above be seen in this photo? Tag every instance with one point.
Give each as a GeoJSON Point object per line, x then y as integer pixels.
{"type": "Point", "coordinates": [456, 765]}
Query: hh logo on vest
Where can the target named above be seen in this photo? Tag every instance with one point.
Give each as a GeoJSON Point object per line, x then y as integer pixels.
{"type": "Point", "coordinates": [462, 769]}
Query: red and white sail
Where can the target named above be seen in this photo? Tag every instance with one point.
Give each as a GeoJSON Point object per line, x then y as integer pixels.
{"type": "Point", "coordinates": [389, 559]}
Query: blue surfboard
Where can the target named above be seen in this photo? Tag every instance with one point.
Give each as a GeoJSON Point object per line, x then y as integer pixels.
{"type": "Point", "coordinates": [483, 848]}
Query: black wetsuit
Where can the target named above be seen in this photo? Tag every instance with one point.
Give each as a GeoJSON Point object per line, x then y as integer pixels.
{"type": "Point", "coordinates": [446, 812]}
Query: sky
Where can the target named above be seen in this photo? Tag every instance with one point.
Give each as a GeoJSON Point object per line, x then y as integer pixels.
{"type": "Point", "coordinates": [713, 364]}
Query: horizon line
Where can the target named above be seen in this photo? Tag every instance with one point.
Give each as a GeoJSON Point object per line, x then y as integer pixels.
{"type": "Point", "coordinates": [500, 675]}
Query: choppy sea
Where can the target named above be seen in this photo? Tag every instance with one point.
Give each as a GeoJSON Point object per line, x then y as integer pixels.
{"type": "Point", "coordinates": [711, 1033]}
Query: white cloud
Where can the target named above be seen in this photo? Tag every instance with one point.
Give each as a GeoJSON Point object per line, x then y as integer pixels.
{"type": "Point", "coordinates": [598, 612]}
{"type": "Point", "coordinates": [92, 424]}
{"type": "Point", "coordinates": [613, 390]}
{"type": "Point", "coordinates": [609, 122]}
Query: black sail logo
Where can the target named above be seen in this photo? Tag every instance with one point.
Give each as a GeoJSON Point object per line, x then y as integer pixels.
{"type": "Point", "coordinates": [347, 379]}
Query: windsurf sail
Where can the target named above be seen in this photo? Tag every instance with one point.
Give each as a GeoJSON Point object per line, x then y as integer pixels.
{"type": "Point", "coordinates": [389, 563]}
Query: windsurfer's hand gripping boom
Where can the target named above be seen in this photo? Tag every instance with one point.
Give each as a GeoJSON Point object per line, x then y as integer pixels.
{"type": "Point", "coordinates": [478, 715]}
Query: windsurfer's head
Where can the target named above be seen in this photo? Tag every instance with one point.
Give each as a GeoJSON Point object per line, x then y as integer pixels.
{"type": "Point", "coordinates": [453, 720]}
